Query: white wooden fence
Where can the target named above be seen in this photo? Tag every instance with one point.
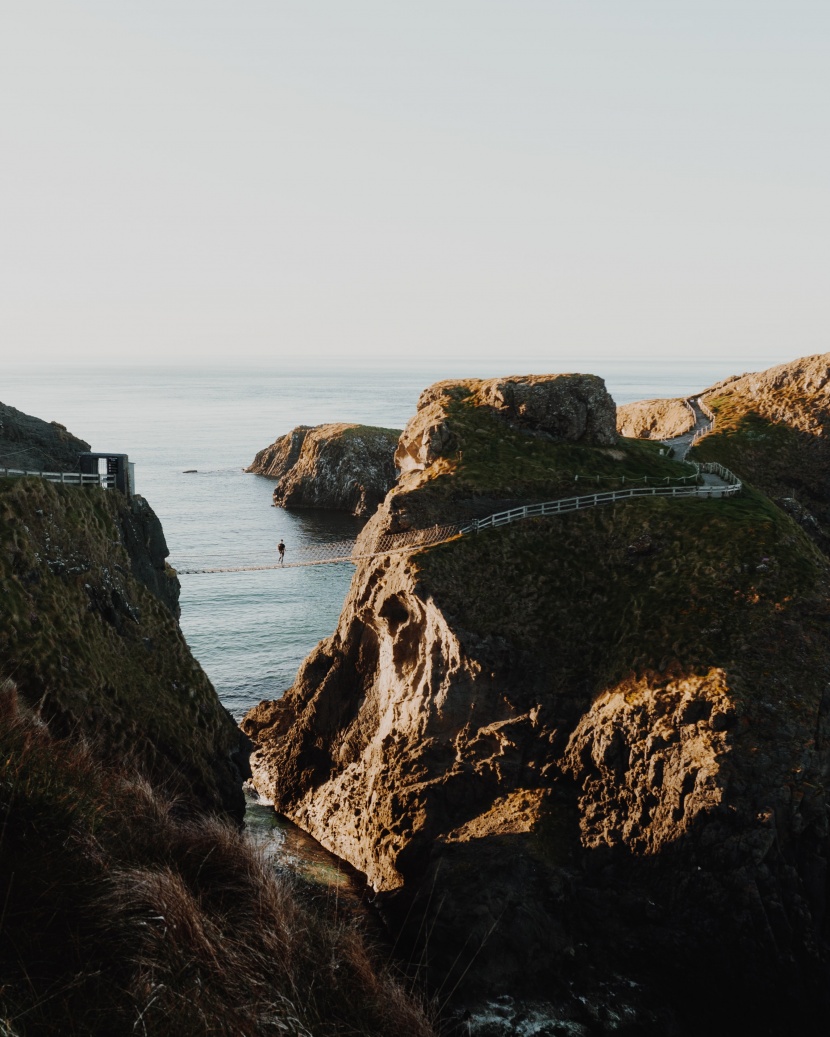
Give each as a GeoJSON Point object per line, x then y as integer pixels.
{"type": "Point", "coordinates": [732, 485]}
{"type": "Point", "coordinates": [68, 478]}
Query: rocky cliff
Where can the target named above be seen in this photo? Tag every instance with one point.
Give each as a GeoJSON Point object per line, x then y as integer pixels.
{"type": "Point", "coordinates": [572, 407]}
{"type": "Point", "coordinates": [582, 759]}
{"type": "Point", "coordinates": [773, 427]}
{"type": "Point", "coordinates": [654, 419]}
{"type": "Point", "coordinates": [28, 443]}
{"type": "Point", "coordinates": [94, 649]}
{"type": "Point", "coordinates": [344, 467]}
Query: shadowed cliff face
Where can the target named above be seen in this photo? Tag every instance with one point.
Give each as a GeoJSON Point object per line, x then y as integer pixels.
{"type": "Point", "coordinates": [582, 758]}
{"type": "Point", "coordinates": [28, 443]}
{"type": "Point", "coordinates": [344, 467]}
{"type": "Point", "coordinates": [95, 650]}
{"type": "Point", "coordinates": [773, 428]}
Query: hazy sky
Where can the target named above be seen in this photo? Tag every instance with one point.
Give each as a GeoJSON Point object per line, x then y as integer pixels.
{"type": "Point", "coordinates": [201, 180]}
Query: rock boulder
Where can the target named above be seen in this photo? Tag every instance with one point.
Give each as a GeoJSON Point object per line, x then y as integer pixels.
{"type": "Point", "coordinates": [338, 466]}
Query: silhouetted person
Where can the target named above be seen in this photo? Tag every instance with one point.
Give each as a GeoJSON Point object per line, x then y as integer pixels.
{"type": "Point", "coordinates": [281, 550]}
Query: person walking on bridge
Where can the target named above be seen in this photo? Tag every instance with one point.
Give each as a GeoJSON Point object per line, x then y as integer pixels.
{"type": "Point", "coordinates": [281, 550]}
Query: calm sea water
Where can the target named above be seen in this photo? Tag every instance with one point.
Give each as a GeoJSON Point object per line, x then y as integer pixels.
{"type": "Point", "coordinates": [250, 631]}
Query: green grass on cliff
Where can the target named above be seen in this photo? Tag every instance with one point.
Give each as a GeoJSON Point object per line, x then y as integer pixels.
{"type": "Point", "coordinates": [780, 460]}
{"type": "Point", "coordinates": [646, 587]}
{"type": "Point", "coordinates": [494, 457]}
{"type": "Point", "coordinates": [96, 649]}
{"type": "Point", "coordinates": [121, 916]}
{"type": "Point", "coordinates": [356, 431]}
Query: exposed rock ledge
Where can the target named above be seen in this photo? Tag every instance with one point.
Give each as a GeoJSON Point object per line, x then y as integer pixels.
{"type": "Point", "coordinates": [339, 466]}
{"type": "Point", "coordinates": [654, 419]}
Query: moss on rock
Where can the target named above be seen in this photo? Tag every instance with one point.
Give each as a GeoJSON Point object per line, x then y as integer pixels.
{"type": "Point", "coordinates": [95, 651]}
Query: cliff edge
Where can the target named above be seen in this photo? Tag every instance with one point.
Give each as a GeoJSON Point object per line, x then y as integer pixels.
{"type": "Point", "coordinates": [773, 428]}
{"type": "Point", "coordinates": [132, 901]}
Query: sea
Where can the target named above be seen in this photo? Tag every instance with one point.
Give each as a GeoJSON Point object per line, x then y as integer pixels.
{"type": "Point", "coordinates": [191, 431]}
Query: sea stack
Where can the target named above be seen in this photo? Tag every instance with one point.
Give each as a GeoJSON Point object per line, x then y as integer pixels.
{"type": "Point", "coordinates": [338, 466]}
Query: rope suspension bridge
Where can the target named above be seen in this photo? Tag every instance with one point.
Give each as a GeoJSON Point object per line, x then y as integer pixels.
{"type": "Point", "coordinates": [721, 483]}
{"type": "Point", "coordinates": [711, 480]}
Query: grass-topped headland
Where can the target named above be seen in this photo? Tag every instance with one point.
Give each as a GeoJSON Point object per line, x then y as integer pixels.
{"type": "Point", "coordinates": [494, 456]}
{"type": "Point", "coordinates": [130, 901]}
{"type": "Point", "coordinates": [463, 456]}
{"type": "Point", "coordinates": [652, 586]}
{"type": "Point", "coordinates": [590, 745]}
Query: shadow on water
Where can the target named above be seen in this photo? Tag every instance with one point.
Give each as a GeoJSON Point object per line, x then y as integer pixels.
{"type": "Point", "coordinates": [297, 855]}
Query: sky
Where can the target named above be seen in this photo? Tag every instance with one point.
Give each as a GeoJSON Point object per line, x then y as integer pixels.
{"type": "Point", "coordinates": [387, 183]}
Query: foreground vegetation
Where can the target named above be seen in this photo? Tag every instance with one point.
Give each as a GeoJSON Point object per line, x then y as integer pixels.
{"type": "Point", "coordinates": [124, 912]}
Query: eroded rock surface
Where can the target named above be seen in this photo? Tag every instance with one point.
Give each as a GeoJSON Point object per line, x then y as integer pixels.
{"type": "Point", "coordinates": [654, 419]}
{"type": "Point", "coordinates": [574, 407]}
{"type": "Point", "coordinates": [796, 393]}
{"type": "Point", "coordinates": [339, 466]}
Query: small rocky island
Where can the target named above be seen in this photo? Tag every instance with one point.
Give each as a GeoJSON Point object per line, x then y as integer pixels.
{"type": "Point", "coordinates": [339, 466]}
{"type": "Point", "coordinates": [583, 760]}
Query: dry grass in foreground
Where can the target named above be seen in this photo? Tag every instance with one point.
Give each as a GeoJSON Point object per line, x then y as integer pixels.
{"type": "Point", "coordinates": [121, 913]}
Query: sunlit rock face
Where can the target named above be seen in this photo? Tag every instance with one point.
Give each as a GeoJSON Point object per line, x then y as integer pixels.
{"type": "Point", "coordinates": [575, 407]}
{"type": "Point", "coordinates": [654, 419]}
{"type": "Point", "coordinates": [581, 758]}
{"type": "Point", "coordinates": [339, 466]}
{"type": "Point", "coordinates": [796, 393]}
